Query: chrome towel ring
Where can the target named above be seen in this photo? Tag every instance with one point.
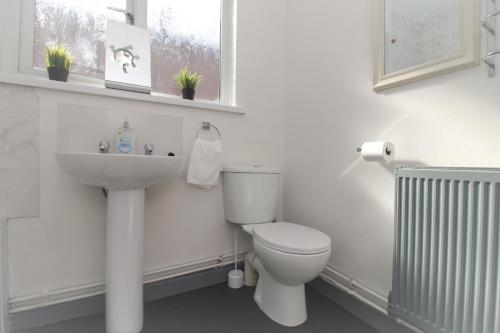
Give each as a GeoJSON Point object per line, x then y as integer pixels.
{"type": "Point", "coordinates": [206, 126]}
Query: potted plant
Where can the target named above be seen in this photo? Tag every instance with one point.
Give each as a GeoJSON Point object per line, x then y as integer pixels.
{"type": "Point", "coordinates": [187, 82]}
{"type": "Point", "coordinates": [58, 60]}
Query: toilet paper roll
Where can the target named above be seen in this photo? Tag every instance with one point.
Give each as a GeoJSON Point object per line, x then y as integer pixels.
{"type": "Point", "coordinates": [378, 151]}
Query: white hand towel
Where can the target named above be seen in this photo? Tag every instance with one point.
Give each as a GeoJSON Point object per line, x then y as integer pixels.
{"type": "Point", "coordinates": [205, 164]}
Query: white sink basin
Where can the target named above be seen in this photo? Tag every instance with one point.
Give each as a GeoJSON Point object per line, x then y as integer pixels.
{"type": "Point", "coordinates": [125, 177]}
{"type": "Point", "coordinates": [119, 172]}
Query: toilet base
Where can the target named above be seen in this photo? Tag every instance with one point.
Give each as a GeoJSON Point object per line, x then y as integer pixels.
{"type": "Point", "coordinates": [284, 304]}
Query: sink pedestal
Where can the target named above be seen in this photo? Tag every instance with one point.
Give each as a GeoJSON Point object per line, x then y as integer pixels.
{"type": "Point", "coordinates": [125, 177]}
{"type": "Point", "coordinates": [124, 261]}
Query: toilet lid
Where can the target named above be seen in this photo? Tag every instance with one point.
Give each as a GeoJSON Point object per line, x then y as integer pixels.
{"type": "Point", "coordinates": [292, 238]}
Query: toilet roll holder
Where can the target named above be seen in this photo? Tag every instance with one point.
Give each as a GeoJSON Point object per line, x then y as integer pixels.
{"type": "Point", "coordinates": [388, 151]}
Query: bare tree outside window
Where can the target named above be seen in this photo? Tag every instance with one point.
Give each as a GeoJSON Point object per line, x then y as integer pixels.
{"type": "Point", "coordinates": [80, 26]}
{"type": "Point", "coordinates": [185, 33]}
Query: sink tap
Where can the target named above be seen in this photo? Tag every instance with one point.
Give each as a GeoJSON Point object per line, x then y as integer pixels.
{"type": "Point", "coordinates": [104, 147]}
{"type": "Point", "coordinates": [148, 149]}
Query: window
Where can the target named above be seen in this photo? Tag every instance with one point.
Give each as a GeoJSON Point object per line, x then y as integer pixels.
{"type": "Point", "coordinates": [80, 26]}
{"type": "Point", "coordinates": [184, 33]}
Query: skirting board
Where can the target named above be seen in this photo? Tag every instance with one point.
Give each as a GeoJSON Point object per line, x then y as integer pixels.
{"type": "Point", "coordinates": [352, 287]}
{"type": "Point", "coordinates": [20, 304]}
{"type": "Point", "coordinates": [96, 304]}
{"type": "Point", "coordinates": [59, 305]}
{"type": "Point", "coordinates": [364, 303]}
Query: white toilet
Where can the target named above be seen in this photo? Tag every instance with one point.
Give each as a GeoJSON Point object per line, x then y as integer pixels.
{"type": "Point", "coordinates": [287, 255]}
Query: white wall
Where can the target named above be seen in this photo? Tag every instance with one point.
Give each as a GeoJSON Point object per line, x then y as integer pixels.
{"type": "Point", "coordinates": [4, 288]}
{"type": "Point", "coordinates": [64, 246]}
{"type": "Point", "coordinates": [331, 110]}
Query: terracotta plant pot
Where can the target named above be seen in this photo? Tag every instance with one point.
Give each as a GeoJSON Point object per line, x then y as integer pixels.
{"type": "Point", "coordinates": [188, 93]}
{"type": "Point", "coordinates": [58, 74]}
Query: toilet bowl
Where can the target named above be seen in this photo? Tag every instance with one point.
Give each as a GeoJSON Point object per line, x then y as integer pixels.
{"type": "Point", "coordinates": [287, 255]}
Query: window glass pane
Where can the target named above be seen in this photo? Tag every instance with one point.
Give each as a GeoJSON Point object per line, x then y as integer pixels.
{"type": "Point", "coordinates": [80, 26]}
{"type": "Point", "coordinates": [185, 33]}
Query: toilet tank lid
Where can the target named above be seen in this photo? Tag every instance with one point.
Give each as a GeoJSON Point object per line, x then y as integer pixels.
{"type": "Point", "coordinates": [250, 169]}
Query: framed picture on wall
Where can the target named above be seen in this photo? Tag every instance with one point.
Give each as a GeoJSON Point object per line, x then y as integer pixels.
{"type": "Point", "coordinates": [415, 40]}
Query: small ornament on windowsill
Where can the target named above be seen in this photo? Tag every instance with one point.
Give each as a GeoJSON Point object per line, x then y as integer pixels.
{"type": "Point", "coordinates": [187, 82]}
{"type": "Point", "coordinates": [128, 58]}
{"type": "Point", "coordinates": [58, 60]}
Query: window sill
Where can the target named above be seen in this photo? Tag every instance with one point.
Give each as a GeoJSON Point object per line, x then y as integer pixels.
{"type": "Point", "coordinates": [96, 89]}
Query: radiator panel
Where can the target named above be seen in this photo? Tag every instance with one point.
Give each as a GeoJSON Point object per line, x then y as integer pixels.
{"type": "Point", "coordinates": [446, 275]}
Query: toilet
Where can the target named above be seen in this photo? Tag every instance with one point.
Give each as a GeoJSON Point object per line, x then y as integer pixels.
{"type": "Point", "coordinates": [286, 255]}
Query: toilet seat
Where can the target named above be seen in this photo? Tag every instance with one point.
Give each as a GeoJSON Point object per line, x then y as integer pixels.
{"type": "Point", "coordinates": [292, 238]}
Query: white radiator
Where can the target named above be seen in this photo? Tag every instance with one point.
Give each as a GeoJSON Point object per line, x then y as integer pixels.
{"type": "Point", "coordinates": [446, 275]}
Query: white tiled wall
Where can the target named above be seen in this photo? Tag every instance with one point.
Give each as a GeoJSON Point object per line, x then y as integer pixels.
{"type": "Point", "coordinates": [20, 192]}
{"type": "Point", "coordinates": [19, 152]}
{"type": "Point", "coordinates": [22, 261]}
{"type": "Point", "coordinates": [80, 128]}
{"type": "Point", "coordinates": [18, 140]}
{"type": "Point", "coordinates": [18, 99]}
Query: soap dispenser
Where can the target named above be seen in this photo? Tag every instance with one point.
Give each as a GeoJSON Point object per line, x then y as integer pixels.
{"type": "Point", "coordinates": [125, 139]}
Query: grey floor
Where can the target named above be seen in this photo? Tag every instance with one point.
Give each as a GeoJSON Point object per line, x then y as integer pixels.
{"type": "Point", "coordinates": [219, 309]}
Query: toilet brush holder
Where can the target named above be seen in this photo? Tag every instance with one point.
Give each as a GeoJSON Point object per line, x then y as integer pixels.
{"type": "Point", "coordinates": [235, 279]}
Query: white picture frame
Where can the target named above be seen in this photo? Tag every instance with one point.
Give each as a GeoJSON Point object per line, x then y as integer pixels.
{"type": "Point", "coordinates": [128, 58]}
{"type": "Point", "coordinates": [468, 56]}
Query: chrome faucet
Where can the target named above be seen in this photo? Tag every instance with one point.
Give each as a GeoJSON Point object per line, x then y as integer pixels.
{"type": "Point", "coordinates": [148, 149]}
{"type": "Point", "coordinates": [104, 147]}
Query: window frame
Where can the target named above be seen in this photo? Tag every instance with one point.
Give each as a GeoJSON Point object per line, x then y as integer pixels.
{"type": "Point", "coordinates": [19, 58]}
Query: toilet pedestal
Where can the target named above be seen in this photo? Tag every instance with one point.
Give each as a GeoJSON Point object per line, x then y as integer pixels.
{"type": "Point", "coordinates": [282, 303]}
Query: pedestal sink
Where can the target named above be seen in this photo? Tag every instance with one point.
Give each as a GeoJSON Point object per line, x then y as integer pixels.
{"type": "Point", "coordinates": [125, 177]}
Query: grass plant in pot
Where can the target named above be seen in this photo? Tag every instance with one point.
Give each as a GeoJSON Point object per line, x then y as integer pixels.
{"type": "Point", "coordinates": [58, 60]}
{"type": "Point", "coordinates": [187, 82]}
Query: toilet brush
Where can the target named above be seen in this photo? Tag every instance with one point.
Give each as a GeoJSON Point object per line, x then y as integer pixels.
{"type": "Point", "coordinates": [235, 278]}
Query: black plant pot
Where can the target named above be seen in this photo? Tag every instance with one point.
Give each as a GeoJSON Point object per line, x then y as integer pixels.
{"type": "Point", "coordinates": [58, 74]}
{"type": "Point", "coordinates": [188, 93]}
